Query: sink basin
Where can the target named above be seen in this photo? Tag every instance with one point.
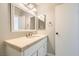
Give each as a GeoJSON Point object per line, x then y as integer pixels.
{"type": "Point", "coordinates": [35, 36]}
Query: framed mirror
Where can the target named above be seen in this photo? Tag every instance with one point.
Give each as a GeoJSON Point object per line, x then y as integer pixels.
{"type": "Point", "coordinates": [41, 21]}
{"type": "Point", "coordinates": [22, 19]}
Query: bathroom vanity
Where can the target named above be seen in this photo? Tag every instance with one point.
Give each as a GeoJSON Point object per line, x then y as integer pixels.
{"type": "Point", "coordinates": [27, 46]}
{"type": "Point", "coordinates": [24, 19]}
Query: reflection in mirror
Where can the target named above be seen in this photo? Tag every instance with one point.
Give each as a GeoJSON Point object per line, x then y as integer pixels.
{"type": "Point", "coordinates": [21, 20]}
{"type": "Point", "coordinates": [32, 23]}
{"type": "Point", "coordinates": [41, 22]}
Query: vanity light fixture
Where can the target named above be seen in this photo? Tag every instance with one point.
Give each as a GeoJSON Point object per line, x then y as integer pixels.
{"type": "Point", "coordinates": [34, 9]}
{"type": "Point", "coordinates": [31, 6]}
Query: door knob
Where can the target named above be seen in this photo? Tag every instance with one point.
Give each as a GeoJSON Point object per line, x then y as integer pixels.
{"type": "Point", "coordinates": [56, 33]}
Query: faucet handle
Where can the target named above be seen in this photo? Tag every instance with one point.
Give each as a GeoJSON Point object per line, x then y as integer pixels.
{"type": "Point", "coordinates": [26, 34]}
{"type": "Point", "coordinates": [29, 34]}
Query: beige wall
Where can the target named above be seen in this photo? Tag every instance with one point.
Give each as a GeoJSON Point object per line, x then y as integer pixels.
{"type": "Point", "coordinates": [5, 32]}
{"type": "Point", "coordinates": [48, 10]}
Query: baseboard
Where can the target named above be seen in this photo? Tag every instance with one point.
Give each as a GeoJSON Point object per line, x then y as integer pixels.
{"type": "Point", "coordinates": [49, 54]}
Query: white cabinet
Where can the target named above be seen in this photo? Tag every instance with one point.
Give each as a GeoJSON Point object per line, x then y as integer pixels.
{"type": "Point", "coordinates": [34, 54]}
{"type": "Point", "coordinates": [37, 49]}
{"type": "Point", "coordinates": [43, 49]}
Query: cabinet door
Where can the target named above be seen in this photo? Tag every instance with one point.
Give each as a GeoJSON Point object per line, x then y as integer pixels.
{"type": "Point", "coordinates": [45, 48]}
{"type": "Point", "coordinates": [30, 51]}
{"type": "Point", "coordinates": [41, 51]}
{"type": "Point", "coordinates": [34, 54]}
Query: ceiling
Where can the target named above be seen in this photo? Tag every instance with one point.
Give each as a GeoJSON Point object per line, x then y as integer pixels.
{"type": "Point", "coordinates": [53, 4]}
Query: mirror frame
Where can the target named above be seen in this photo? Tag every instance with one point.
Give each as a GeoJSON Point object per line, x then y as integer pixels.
{"type": "Point", "coordinates": [12, 22]}
{"type": "Point", "coordinates": [44, 21]}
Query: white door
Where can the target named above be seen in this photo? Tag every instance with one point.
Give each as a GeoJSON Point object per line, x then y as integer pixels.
{"type": "Point", "coordinates": [66, 29]}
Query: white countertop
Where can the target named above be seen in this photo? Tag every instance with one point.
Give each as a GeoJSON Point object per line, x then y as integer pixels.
{"type": "Point", "coordinates": [24, 42]}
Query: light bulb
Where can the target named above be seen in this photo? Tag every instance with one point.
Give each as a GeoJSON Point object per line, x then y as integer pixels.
{"type": "Point", "coordinates": [34, 9]}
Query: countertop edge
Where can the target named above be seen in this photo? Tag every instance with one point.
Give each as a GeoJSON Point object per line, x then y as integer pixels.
{"type": "Point", "coordinates": [25, 47]}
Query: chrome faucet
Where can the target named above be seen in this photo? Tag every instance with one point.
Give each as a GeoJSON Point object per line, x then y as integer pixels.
{"type": "Point", "coordinates": [29, 34]}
